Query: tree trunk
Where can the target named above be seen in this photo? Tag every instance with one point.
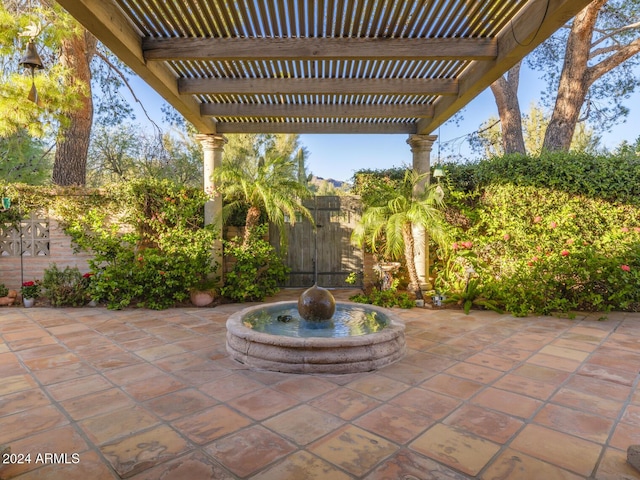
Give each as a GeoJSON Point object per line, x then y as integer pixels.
{"type": "Point", "coordinates": [505, 91]}
{"type": "Point", "coordinates": [574, 81]}
{"type": "Point", "coordinates": [72, 145]}
{"type": "Point", "coordinates": [251, 221]}
{"type": "Point", "coordinates": [409, 252]}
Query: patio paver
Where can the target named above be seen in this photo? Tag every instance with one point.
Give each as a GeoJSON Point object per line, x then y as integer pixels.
{"type": "Point", "coordinates": [152, 395]}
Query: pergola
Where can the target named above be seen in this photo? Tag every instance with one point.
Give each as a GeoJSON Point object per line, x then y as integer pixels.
{"type": "Point", "coordinates": [320, 66]}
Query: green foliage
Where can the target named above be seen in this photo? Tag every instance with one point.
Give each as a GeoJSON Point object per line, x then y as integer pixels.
{"type": "Point", "coordinates": [538, 245]}
{"type": "Point", "coordinates": [58, 91]}
{"type": "Point", "coordinates": [31, 289]}
{"type": "Point", "coordinates": [4, 291]}
{"type": "Point", "coordinates": [120, 153]}
{"type": "Point", "coordinates": [374, 186]}
{"type": "Point", "coordinates": [258, 271]}
{"type": "Point", "coordinates": [267, 185]}
{"type": "Point", "coordinates": [609, 177]}
{"type": "Point", "coordinates": [64, 288]}
{"type": "Point", "coordinates": [153, 252]}
{"type": "Point", "coordinates": [24, 159]}
{"type": "Point", "coordinates": [385, 298]}
{"type": "Point", "coordinates": [472, 294]}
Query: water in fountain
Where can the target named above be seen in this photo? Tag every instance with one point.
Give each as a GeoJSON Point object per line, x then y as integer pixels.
{"type": "Point", "coordinates": [323, 337]}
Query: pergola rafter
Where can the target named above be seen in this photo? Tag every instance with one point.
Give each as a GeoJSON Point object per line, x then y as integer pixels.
{"type": "Point", "coordinates": [319, 49]}
{"type": "Point", "coordinates": [331, 66]}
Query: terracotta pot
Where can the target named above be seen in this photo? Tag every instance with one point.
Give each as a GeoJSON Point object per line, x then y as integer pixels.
{"type": "Point", "coordinates": [202, 298]}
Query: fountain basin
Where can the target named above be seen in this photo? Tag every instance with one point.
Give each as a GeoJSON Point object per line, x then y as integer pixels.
{"type": "Point", "coordinates": [314, 354]}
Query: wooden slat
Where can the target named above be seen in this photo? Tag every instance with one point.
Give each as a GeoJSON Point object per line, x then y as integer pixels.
{"type": "Point", "coordinates": [305, 111]}
{"type": "Point", "coordinates": [314, 127]}
{"type": "Point", "coordinates": [513, 44]}
{"type": "Point", "coordinates": [109, 24]}
{"type": "Point", "coordinates": [319, 48]}
{"type": "Point", "coordinates": [301, 86]}
{"type": "Point", "coordinates": [302, 61]}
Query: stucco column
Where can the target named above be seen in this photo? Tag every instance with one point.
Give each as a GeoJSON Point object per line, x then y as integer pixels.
{"type": "Point", "coordinates": [421, 148]}
{"type": "Point", "coordinates": [213, 147]}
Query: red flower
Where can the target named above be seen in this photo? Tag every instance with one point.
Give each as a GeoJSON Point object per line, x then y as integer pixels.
{"type": "Point", "coordinates": [28, 284]}
{"type": "Point", "coordinates": [626, 268]}
{"type": "Point", "coordinates": [467, 244]}
{"type": "Point", "coordinates": [88, 275]}
{"type": "Point", "coordinates": [564, 253]}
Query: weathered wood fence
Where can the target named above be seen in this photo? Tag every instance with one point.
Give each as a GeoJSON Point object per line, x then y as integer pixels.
{"type": "Point", "coordinates": [323, 252]}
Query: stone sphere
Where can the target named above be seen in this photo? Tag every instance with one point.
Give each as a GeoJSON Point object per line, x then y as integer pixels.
{"type": "Point", "coordinates": [316, 304]}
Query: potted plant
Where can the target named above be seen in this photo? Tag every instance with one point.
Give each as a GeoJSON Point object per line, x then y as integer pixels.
{"type": "Point", "coordinates": [30, 291]}
{"type": "Point", "coordinates": [204, 292]}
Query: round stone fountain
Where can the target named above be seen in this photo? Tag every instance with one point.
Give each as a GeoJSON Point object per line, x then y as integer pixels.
{"type": "Point", "coordinates": [315, 335]}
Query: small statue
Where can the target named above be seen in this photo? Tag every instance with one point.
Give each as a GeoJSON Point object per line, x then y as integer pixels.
{"type": "Point", "coordinates": [10, 299]}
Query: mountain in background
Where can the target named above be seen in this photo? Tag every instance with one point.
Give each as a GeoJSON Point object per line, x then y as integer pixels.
{"type": "Point", "coordinates": [328, 186]}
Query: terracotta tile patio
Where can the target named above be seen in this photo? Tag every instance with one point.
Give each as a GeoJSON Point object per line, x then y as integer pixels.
{"type": "Point", "coordinates": [152, 395]}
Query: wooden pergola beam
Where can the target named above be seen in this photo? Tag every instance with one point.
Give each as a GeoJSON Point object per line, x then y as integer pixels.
{"type": "Point", "coordinates": [109, 25]}
{"type": "Point", "coordinates": [317, 86]}
{"type": "Point", "coordinates": [321, 110]}
{"type": "Point", "coordinates": [316, 127]}
{"type": "Point", "coordinates": [533, 25]}
{"type": "Point", "coordinates": [319, 49]}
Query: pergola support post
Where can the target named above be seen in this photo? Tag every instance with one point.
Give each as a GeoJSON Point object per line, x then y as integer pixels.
{"type": "Point", "coordinates": [421, 146]}
{"type": "Point", "coordinates": [213, 148]}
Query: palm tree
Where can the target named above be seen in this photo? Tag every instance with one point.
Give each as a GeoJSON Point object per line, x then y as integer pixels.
{"type": "Point", "coordinates": [388, 225]}
{"type": "Point", "coordinates": [266, 185]}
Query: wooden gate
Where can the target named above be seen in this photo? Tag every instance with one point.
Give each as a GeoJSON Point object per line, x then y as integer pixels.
{"type": "Point", "coordinates": [335, 218]}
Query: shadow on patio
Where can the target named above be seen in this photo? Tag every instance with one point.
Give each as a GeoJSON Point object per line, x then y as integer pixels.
{"type": "Point", "coordinates": [152, 395]}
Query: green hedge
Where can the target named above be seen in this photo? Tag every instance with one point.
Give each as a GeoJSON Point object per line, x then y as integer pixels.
{"type": "Point", "coordinates": [554, 233]}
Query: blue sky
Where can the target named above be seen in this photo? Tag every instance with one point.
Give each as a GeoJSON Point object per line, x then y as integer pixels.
{"type": "Point", "coordinates": [339, 156]}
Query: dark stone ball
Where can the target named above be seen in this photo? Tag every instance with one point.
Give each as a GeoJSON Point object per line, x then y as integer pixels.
{"type": "Point", "coordinates": [316, 304]}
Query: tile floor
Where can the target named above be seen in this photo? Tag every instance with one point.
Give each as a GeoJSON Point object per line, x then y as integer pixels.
{"type": "Point", "coordinates": [90, 393]}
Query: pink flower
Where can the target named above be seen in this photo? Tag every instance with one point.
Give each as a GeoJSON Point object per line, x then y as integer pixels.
{"type": "Point", "coordinates": [537, 219]}
{"type": "Point", "coordinates": [570, 241]}
{"type": "Point", "coordinates": [467, 244]}
{"type": "Point", "coordinates": [553, 225]}
{"type": "Point", "coordinates": [506, 236]}
{"type": "Point", "coordinates": [455, 246]}
{"type": "Point", "coordinates": [564, 253]}
{"type": "Point", "coordinates": [625, 229]}
{"type": "Point", "coordinates": [636, 229]}
{"type": "Point", "coordinates": [535, 259]}
{"type": "Point", "coordinates": [626, 268]}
